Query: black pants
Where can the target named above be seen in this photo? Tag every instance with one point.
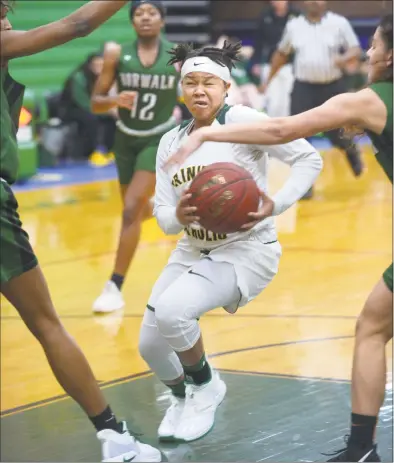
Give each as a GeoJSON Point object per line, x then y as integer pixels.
{"type": "Point", "coordinates": [307, 96]}
{"type": "Point", "coordinates": [94, 130]}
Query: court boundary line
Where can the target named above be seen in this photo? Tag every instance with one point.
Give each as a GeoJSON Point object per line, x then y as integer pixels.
{"type": "Point", "coordinates": [170, 243]}
{"type": "Point", "coordinates": [208, 315]}
{"type": "Point", "coordinates": [147, 373]}
{"type": "Point", "coordinates": [61, 397]}
{"type": "Point", "coordinates": [280, 344]}
{"type": "Point", "coordinates": [284, 376]}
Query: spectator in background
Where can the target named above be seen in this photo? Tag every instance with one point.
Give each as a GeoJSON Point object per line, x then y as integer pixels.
{"type": "Point", "coordinates": [96, 132]}
{"type": "Point", "coordinates": [269, 32]}
{"type": "Point", "coordinates": [322, 43]}
{"type": "Point", "coordinates": [243, 90]}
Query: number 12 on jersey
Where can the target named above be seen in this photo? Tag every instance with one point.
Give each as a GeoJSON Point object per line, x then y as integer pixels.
{"type": "Point", "coordinates": [144, 110]}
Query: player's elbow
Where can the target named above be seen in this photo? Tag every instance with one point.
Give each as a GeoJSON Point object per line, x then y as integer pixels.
{"type": "Point", "coordinates": [315, 161]}
{"type": "Point", "coordinates": [94, 107]}
{"type": "Point", "coordinates": [279, 59]}
{"type": "Point", "coordinates": [167, 221]}
{"type": "Point", "coordinates": [309, 160]}
{"type": "Point", "coordinates": [281, 132]}
{"type": "Point", "coordinates": [169, 228]}
{"type": "Point", "coordinates": [320, 163]}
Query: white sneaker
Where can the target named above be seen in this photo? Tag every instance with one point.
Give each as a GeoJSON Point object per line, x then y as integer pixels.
{"type": "Point", "coordinates": [198, 416]}
{"type": "Point", "coordinates": [121, 447]}
{"type": "Point", "coordinates": [110, 299]}
{"type": "Point", "coordinates": [171, 419]}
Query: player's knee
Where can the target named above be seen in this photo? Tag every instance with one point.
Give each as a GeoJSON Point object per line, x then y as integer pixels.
{"type": "Point", "coordinates": [372, 323]}
{"type": "Point", "coordinates": [129, 216]}
{"type": "Point", "coordinates": [133, 212]}
{"type": "Point", "coordinates": [45, 329]}
{"type": "Point", "coordinates": [171, 317]}
{"type": "Point", "coordinates": [167, 313]}
{"type": "Point", "coordinates": [148, 344]}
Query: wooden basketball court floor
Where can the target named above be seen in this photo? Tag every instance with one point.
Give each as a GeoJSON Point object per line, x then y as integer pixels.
{"type": "Point", "coordinates": [286, 357]}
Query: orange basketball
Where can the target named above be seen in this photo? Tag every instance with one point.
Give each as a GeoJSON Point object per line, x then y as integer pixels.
{"type": "Point", "coordinates": [224, 194]}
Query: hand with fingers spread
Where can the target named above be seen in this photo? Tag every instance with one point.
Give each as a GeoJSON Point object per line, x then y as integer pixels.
{"type": "Point", "coordinates": [185, 213]}
{"type": "Point", "coordinates": [193, 142]}
{"type": "Point", "coordinates": [126, 99]}
{"type": "Point", "coordinates": [266, 210]}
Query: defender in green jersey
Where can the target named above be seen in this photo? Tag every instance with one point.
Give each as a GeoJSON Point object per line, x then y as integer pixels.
{"type": "Point", "coordinates": [21, 279]}
{"type": "Point", "coordinates": [146, 99]}
{"type": "Point", "coordinates": [370, 109]}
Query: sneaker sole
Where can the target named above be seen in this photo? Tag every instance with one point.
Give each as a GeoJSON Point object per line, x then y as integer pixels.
{"type": "Point", "coordinates": [167, 438]}
{"type": "Point", "coordinates": [223, 393]}
{"type": "Point", "coordinates": [137, 459]}
{"type": "Point", "coordinates": [106, 310]}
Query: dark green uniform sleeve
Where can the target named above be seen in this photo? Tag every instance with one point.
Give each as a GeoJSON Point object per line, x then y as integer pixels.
{"type": "Point", "coordinates": [79, 91]}
{"type": "Point", "coordinates": [240, 75]}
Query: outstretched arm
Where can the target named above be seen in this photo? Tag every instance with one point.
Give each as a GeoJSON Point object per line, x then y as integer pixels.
{"type": "Point", "coordinates": [82, 22]}
{"type": "Point", "coordinates": [363, 109]}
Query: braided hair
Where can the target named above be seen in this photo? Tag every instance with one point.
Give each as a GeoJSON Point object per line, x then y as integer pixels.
{"type": "Point", "coordinates": [8, 4]}
{"type": "Point", "coordinates": [386, 29]}
{"type": "Point", "coordinates": [225, 56]}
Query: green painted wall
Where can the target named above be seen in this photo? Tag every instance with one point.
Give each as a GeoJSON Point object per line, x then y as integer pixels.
{"type": "Point", "coordinates": [48, 70]}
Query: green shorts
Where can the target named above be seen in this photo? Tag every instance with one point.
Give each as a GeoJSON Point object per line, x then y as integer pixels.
{"type": "Point", "coordinates": [388, 277]}
{"type": "Point", "coordinates": [134, 153]}
{"type": "Point", "coordinates": [17, 255]}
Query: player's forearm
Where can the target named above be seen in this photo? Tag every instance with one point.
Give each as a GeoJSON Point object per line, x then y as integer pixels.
{"type": "Point", "coordinates": [167, 219]}
{"type": "Point", "coordinates": [78, 24]}
{"type": "Point", "coordinates": [303, 175]}
{"type": "Point", "coordinates": [265, 132]}
{"type": "Point", "coordinates": [103, 103]}
{"type": "Point", "coordinates": [279, 59]}
{"type": "Point", "coordinates": [94, 13]}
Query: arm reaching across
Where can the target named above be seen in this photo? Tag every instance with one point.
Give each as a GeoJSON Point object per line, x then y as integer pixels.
{"type": "Point", "coordinates": [82, 22]}
{"type": "Point", "coordinates": [363, 109]}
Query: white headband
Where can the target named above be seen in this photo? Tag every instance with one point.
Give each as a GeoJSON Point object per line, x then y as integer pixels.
{"type": "Point", "coordinates": [204, 64]}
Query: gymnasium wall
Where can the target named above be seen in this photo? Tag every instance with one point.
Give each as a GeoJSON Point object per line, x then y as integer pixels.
{"type": "Point", "coordinates": [48, 70]}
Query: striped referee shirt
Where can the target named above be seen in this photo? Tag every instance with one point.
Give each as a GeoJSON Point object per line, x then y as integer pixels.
{"type": "Point", "coordinates": [317, 45]}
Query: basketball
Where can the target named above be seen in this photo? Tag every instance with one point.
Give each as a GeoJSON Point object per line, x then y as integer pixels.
{"type": "Point", "coordinates": [224, 194]}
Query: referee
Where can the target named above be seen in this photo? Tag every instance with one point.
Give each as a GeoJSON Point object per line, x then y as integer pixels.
{"type": "Point", "coordinates": [322, 43]}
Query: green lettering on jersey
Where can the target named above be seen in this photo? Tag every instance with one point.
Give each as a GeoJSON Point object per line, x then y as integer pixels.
{"type": "Point", "coordinates": [156, 87]}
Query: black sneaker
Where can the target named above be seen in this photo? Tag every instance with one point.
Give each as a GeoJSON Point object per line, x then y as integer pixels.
{"type": "Point", "coordinates": [355, 161]}
{"type": "Point", "coordinates": [350, 454]}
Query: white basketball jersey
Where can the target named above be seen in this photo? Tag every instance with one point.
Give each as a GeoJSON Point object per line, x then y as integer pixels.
{"type": "Point", "coordinates": [172, 183]}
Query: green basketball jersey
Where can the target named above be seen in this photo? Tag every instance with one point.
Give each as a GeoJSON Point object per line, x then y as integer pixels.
{"type": "Point", "coordinates": [240, 74]}
{"type": "Point", "coordinates": [157, 88]}
{"type": "Point", "coordinates": [383, 143]}
{"type": "Point", "coordinates": [11, 99]}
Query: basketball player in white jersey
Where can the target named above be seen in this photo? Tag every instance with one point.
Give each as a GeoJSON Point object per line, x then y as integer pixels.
{"type": "Point", "coordinates": [209, 270]}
